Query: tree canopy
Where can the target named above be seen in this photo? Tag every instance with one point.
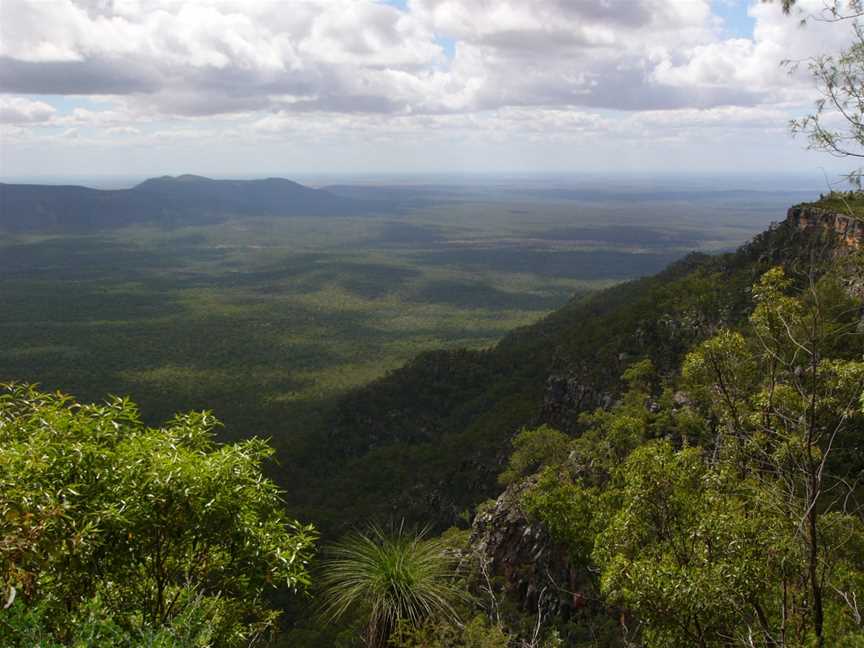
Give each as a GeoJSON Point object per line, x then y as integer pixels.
{"type": "Point", "coordinates": [146, 528]}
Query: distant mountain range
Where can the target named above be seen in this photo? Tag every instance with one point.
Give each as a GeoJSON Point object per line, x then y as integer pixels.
{"type": "Point", "coordinates": [168, 200]}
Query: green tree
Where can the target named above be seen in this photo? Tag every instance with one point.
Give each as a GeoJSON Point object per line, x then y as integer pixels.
{"type": "Point", "coordinates": [687, 550]}
{"type": "Point", "coordinates": [836, 125]}
{"type": "Point", "coordinates": [533, 449]}
{"type": "Point", "coordinates": [95, 505]}
{"type": "Point", "coordinates": [783, 401]}
{"type": "Point", "coordinates": [726, 513]}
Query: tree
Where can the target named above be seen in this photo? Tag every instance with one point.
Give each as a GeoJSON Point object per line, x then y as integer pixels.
{"type": "Point", "coordinates": [727, 513]}
{"type": "Point", "coordinates": [389, 580]}
{"type": "Point", "coordinates": [533, 449]}
{"type": "Point", "coordinates": [840, 82]}
{"type": "Point", "coordinates": [784, 401]}
{"type": "Point", "coordinates": [686, 551]}
{"type": "Point", "coordinates": [95, 506]}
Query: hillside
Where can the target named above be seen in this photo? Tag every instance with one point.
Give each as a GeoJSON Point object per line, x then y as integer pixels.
{"type": "Point", "coordinates": [604, 424]}
{"type": "Point", "coordinates": [615, 444]}
{"type": "Point", "coordinates": [168, 201]}
{"type": "Point", "coordinates": [428, 440]}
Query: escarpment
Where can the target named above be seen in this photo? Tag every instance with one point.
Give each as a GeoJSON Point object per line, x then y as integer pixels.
{"type": "Point", "coordinates": [668, 313]}
{"type": "Point", "coordinates": [848, 228]}
{"type": "Point", "coordinates": [442, 424]}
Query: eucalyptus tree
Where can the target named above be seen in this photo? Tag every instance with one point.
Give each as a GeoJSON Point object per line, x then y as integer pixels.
{"type": "Point", "coordinates": [836, 124]}
{"type": "Point", "coordinates": [785, 401]}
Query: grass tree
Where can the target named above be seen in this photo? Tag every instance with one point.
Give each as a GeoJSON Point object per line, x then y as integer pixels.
{"type": "Point", "coordinates": [388, 579]}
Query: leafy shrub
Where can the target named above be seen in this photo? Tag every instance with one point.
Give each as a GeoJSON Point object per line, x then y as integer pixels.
{"type": "Point", "coordinates": [534, 449]}
{"type": "Point", "coordinates": [152, 523]}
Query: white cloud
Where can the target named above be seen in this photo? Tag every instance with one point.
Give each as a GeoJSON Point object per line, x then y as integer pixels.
{"type": "Point", "coordinates": [200, 58]}
{"type": "Point", "coordinates": [444, 70]}
{"type": "Point", "coordinates": [123, 130]}
{"type": "Point", "coordinates": [212, 57]}
{"type": "Point", "coordinates": [21, 110]}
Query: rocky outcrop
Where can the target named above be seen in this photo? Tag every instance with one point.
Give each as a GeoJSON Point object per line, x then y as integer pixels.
{"type": "Point", "coordinates": [524, 561]}
{"type": "Point", "coordinates": [848, 229]}
{"type": "Point", "coordinates": [567, 396]}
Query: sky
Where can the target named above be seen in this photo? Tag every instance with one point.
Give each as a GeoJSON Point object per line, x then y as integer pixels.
{"type": "Point", "coordinates": [282, 87]}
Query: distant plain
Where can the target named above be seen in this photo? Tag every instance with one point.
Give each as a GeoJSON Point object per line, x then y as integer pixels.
{"type": "Point", "coordinates": [264, 321]}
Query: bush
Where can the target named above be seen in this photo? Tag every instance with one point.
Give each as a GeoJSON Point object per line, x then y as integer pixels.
{"type": "Point", "coordinates": [151, 523]}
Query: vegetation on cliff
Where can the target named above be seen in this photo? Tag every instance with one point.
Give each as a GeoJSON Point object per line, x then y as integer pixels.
{"type": "Point", "coordinates": [730, 513]}
{"type": "Point", "coordinates": [841, 202]}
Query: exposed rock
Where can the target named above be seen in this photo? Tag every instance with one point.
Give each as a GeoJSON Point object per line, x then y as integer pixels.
{"type": "Point", "coordinates": [521, 555]}
{"type": "Point", "coordinates": [849, 230]}
{"type": "Point", "coordinates": [569, 395]}
{"type": "Point", "coordinates": [680, 400]}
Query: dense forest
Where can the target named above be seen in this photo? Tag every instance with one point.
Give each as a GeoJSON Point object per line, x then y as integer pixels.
{"type": "Point", "coordinates": [527, 408]}
{"type": "Point", "coordinates": [674, 461]}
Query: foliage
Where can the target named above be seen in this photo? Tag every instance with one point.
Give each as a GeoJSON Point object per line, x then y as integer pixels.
{"type": "Point", "coordinates": [388, 579]}
{"type": "Point", "coordinates": [685, 549]}
{"type": "Point", "coordinates": [534, 449]}
{"type": "Point", "coordinates": [151, 523]}
{"type": "Point", "coordinates": [727, 515]}
{"type": "Point", "coordinates": [839, 77]}
{"type": "Point", "coordinates": [477, 633]}
{"type": "Point", "coordinates": [196, 626]}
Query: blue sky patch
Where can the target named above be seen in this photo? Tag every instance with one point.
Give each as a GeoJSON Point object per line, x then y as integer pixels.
{"type": "Point", "coordinates": [736, 22]}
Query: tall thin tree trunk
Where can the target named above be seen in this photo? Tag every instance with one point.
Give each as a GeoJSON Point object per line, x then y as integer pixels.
{"type": "Point", "coordinates": [815, 587]}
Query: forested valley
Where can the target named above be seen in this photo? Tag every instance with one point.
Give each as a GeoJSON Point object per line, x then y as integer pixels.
{"type": "Point", "coordinates": [554, 343]}
{"type": "Point", "coordinates": [672, 461]}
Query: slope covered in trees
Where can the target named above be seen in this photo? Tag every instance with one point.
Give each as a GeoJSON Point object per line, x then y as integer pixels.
{"type": "Point", "coordinates": [686, 468]}
{"type": "Point", "coordinates": [427, 440]}
{"type": "Point", "coordinates": [682, 457]}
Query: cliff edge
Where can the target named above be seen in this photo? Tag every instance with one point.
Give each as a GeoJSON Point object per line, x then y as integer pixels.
{"type": "Point", "coordinates": [844, 216]}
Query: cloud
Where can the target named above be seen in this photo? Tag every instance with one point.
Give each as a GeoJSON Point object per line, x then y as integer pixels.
{"type": "Point", "coordinates": [123, 130]}
{"type": "Point", "coordinates": [212, 57]}
{"type": "Point", "coordinates": [433, 70]}
{"type": "Point", "coordinates": [756, 62]}
{"type": "Point", "coordinates": [21, 110]}
{"type": "Point", "coordinates": [203, 58]}
{"type": "Point", "coordinates": [552, 53]}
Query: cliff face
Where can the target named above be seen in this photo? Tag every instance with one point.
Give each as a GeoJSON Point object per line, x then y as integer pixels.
{"type": "Point", "coordinates": [849, 230]}
{"type": "Point", "coordinates": [524, 559]}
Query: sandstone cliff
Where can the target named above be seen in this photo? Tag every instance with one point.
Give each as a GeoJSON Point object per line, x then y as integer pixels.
{"type": "Point", "coordinates": [848, 229]}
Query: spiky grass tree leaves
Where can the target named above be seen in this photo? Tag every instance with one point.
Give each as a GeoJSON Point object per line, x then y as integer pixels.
{"type": "Point", "coordinates": [95, 504]}
{"type": "Point", "coordinates": [389, 578]}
